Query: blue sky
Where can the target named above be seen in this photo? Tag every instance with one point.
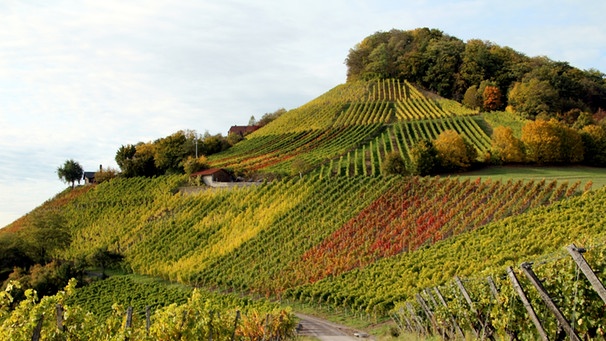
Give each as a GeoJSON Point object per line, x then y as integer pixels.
{"type": "Point", "coordinates": [80, 78]}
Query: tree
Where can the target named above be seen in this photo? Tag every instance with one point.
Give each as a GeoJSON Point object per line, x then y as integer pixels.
{"type": "Point", "coordinates": [252, 121]}
{"type": "Point", "coordinates": [299, 166]}
{"type": "Point", "coordinates": [104, 259]}
{"type": "Point", "coordinates": [170, 151]}
{"type": "Point", "coordinates": [533, 97]}
{"type": "Point", "coordinates": [454, 153]}
{"type": "Point", "coordinates": [46, 233]}
{"type": "Point", "coordinates": [192, 164]}
{"type": "Point", "coordinates": [594, 143]}
{"type": "Point", "coordinates": [424, 158]}
{"type": "Point", "coordinates": [492, 98]}
{"type": "Point", "coordinates": [505, 146]}
{"type": "Point", "coordinates": [105, 174]}
{"type": "Point", "coordinates": [394, 164]}
{"type": "Point", "coordinates": [550, 141]}
{"type": "Point", "coordinates": [71, 171]}
{"type": "Point", "coordinates": [472, 99]}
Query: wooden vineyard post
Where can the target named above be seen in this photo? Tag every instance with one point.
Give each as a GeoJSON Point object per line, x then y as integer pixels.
{"type": "Point", "coordinates": [59, 310]}
{"type": "Point", "coordinates": [469, 302]}
{"type": "Point", "coordinates": [129, 316]}
{"type": "Point", "coordinates": [233, 335]}
{"type": "Point", "coordinates": [520, 291]}
{"type": "Point", "coordinates": [428, 312]}
{"type": "Point", "coordinates": [577, 256]}
{"type": "Point", "coordinates": [147, 319]}
{"type": "Point", "coordinates": [527, 268]}
{"type": "Point", "coordinates": [38, 329]}
{"type": "Point", "coordinates": [421, 328]}
{"type": "Point", "coordinates": [493, 288]}
{"type": "Point", "coordinates": [456, 326]}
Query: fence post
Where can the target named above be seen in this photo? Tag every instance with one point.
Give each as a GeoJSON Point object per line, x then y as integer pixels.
{"type": "Point", "coordinates": [456, 326]}
{"type": "Point", "coordinates": [38, 329]}
{"type": "Point", "coordinates": [59, 310]}
{"type": "Point", "coordinates": [527, 269]}
{"type": "Point", "coordinates": [233, 335]}
{"type": "Point", "coordinates": [421, 328]}
{"type": "Point", "coordinates": [493, 287]}
{"type": "Point", "coordinates": [520, 291]}
{"type": "Point", "coordinates": [129, 316]}
{"type": "Point", "coordinates": [428, 312]}
{"type": "Point", "coordinates": [469, 302]}
{"type": "Point", "coordinates": [147, 319]}
{"type": "Point", "coordinates": [577, 255]}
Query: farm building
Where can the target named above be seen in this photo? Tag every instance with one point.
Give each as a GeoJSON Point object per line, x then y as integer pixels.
{"type": "Point", "coordinates": [242, 130]}
{"type": "Point", "coordinates": [212, 175]}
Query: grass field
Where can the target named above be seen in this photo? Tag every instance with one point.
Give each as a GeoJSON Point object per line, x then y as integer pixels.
{"type": "Point", "coordinates": [571, 173]}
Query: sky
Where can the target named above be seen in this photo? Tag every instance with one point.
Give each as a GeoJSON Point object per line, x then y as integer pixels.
{"type": "Point", "coordinates": [80, 78]}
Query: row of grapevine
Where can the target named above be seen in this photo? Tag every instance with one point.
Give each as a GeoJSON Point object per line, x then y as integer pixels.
{"type": "Point", "coordinates": [203, 316]}
{"type": "Point", "coordinates": [401, 137]}
{"type": "Point", "coordinates": [376, 288]}
{"type": "Point", "coordinates": [511, 304]}
{"type": "Point", "coordinates": [415, 213]}
{"type": "Point", "coordinates": [366, 113]}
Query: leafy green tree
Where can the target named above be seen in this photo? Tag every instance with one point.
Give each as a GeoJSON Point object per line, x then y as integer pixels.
{"type": "Point", "coordinates": [13, 253]}
{"type": "Point", "coordinates": [594, 143]}
{"type": "Point", "coordinates": [299, 166]}
{"type": "Point", "coordinates": [472, 99]}
{"type": "Point", "coordinates": [192, 164]}
{"type": "Point", "coordinates": [505, 146]}
{"type": "Point", "coordinates": [424, 158]}
{"type": "Point", "coordinates": [454, 153]}
{"type": "Point", "coordinates": [105, 174]}
{"type": "Point", "coordinates": [70, 172]}
{"type": "Point", "coordinates": [47, 231]}
{"type": "Point", "coordinates": [533, 97]}
{"type": "Point", "coordinates": [394, 164]}
{"type": "Point", "coordinates": [124, 159]}
{"type": "Point", "coordinates": [104, 259]}
{"type": "Point", "coordinates": [170, 152]}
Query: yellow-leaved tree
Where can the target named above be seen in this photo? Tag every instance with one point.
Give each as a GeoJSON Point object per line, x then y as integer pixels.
{"type": "Point", "coordinates": [506, 147]}
{"type": "Point", "coordinates": [454, 153]}
{"type": "Point", "coordinates": [550, 141]}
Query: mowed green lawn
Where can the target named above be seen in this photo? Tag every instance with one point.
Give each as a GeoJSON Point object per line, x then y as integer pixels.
{"type": "Point", "coordinates": [570, 173]}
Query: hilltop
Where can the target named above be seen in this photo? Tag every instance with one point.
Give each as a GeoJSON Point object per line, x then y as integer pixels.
{"type": "Point", "coordinates": [358, 204]}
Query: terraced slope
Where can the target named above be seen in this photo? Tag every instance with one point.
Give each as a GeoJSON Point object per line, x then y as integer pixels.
{"type": "Point", "coordinates": [357, 121]}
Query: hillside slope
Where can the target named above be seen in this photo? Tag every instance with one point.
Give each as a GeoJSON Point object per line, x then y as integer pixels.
{"type": "Point", "coordinates": [354, 125]}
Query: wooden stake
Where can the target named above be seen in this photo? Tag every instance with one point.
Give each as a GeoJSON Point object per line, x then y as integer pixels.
{"type": "Point", "coordinates": [59, 310]}
{"type": "Point", "coordinates": [38, 329]}
{"type": "Point", "coordinates": [421, 328]}
{"type": "Point", "coordinates": [456, 326]}
{"type": "Point", "coordinates": [428, 312]}
{"type": "Point", "coordinates": [469, 302]}
{"type": "Point", "coordinates": [233, 335]}
{"type": "Point", "coordinates": [493, 287]}
{"type": "Point", "coordinates": [129, 316]}
{"type": "Point", "coordinates": [527, 269]}
{"type": "Point", "coordinates": [520, 291]}
{"type": "Point", "coordinates": [597, 285]}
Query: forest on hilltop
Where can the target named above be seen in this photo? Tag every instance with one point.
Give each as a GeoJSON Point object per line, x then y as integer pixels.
{"type": "Point", "coordinates": [463, 70]}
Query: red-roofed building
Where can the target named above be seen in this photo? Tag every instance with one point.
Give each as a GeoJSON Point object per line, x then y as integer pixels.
{"type": "Point", "coordinates": [213, 175]}
{"type": "Point", "coordinates": [242, 130]}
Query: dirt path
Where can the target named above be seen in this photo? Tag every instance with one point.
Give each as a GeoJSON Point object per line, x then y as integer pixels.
{"type": "Point", "coordinates": [327, 331]}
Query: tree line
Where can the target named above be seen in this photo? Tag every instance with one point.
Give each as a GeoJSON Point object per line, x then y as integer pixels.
{"type": "Point", "coordinates": [542, 142]}
{"type": "Point", "coordinates": [479, 73]}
